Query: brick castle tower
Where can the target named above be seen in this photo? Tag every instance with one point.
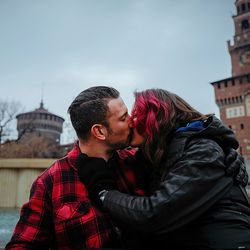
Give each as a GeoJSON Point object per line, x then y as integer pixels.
{"type": "Point", "coordinates": [39, 122]}
{"type": "Point", "coordinates": [233, 94]}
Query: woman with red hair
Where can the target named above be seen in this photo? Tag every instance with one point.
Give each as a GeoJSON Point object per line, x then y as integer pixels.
{"type": "Point", "coordinates": [193, 205]}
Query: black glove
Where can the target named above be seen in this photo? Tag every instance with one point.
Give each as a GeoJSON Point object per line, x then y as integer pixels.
{"type": "Point", "coordinates": [96, 176]}
{"type": "Point", "coordinates": [235, 166]}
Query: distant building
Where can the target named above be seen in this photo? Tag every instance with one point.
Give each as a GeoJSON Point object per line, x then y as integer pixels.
{"type": "Point", "coordinates": [233, 94]}
{"type": "Point", "coordinates": [39, 122]}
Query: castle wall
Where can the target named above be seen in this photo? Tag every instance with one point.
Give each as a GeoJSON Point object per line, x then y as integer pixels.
{"type": "Point", "coordinates": [16, 178]}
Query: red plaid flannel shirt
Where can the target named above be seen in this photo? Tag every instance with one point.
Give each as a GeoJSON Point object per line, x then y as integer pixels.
{"type": "Point", "coordinates": [59, 214]}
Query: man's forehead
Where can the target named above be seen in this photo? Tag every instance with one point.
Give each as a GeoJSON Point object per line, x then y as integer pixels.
{"type": "Point", "coordinates": [117, 107]}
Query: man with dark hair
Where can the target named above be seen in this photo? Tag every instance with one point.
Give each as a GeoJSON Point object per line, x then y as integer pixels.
{"type": "Point", "coordinates": [100, 112]}
{"type": "Point", "coordinates": [60, 213]}
{"type": "Point", "coordinates": [90, 107]}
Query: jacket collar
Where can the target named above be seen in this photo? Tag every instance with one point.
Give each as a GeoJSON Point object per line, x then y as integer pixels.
{"type": "Point", "coordinates": [75, 152]}
{"type": "Point", "coordinates": [73, 155]}
{"type": "Point", "coordinates": [175, 150]}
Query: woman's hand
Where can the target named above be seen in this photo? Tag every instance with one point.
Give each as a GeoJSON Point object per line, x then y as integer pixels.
{"type": "Point", "coordinates": [235, 166]}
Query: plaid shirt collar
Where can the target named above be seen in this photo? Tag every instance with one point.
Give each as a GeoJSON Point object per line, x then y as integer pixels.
{"type": "Point", "coordinates": [75, 152]}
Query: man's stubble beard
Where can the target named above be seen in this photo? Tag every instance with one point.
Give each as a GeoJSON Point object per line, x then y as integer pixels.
{"type": "Point", "coordinates": [119, 145]}
{"type": "Point", "coordinates": [116, 146]}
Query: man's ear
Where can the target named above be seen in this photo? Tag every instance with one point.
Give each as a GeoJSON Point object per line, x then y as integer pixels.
{"type": "Point", "coordinates": [99, 131]}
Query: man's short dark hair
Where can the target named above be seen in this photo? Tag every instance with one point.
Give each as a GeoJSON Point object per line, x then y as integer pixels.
{"type": "Point", "coordinates": [91, 107]}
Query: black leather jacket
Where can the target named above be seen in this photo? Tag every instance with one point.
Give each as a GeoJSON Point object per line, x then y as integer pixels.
{"type": "Point", "coordinates": [196, 206]}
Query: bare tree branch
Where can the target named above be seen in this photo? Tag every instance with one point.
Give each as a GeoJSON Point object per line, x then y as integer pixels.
{"type": "Point", "coordinates": [8, 112]}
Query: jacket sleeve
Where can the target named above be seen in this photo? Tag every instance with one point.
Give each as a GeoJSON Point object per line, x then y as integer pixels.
{"type": "Point", "coordinates": [34, 229]}
{"type": "Point", "coordinates": [194, 184]}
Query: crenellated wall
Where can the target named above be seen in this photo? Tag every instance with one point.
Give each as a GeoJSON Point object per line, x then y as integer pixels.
{"type": "Point", "coordinates": [16, 178]}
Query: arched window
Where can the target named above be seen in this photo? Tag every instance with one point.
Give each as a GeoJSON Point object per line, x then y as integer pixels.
{"type": "Point", "coordinates": [243, 7]}
{"type": "Point", "coordinates": [245, 24]}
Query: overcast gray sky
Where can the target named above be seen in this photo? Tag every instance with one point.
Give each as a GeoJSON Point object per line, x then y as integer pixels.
{"type": "Point", "coordinates": [61, 47]}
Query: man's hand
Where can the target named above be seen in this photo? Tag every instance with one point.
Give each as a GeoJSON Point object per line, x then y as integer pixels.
{"type": "Point", "coordinates": [96, 176]}
{"type": "Point", "coordinates": [235, 166]}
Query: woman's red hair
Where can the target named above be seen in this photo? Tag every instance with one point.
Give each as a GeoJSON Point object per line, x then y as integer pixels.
{"type": "Point", "coordinates": [150, 113]}
{"type": "Point", "coordinates": [158, 112]}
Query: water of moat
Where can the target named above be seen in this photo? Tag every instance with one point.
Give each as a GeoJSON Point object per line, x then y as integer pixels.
{"type": "Point", "coordinates": [8, 220]}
